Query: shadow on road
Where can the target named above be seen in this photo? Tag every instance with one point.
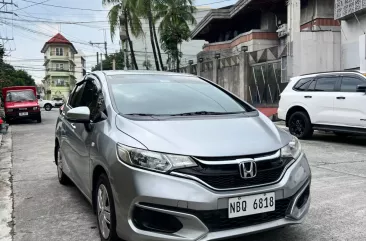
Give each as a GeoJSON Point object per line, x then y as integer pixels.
{"type": "Point", "coordinates": [332, 138]}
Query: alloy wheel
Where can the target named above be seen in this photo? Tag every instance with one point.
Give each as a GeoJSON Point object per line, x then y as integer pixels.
{"type": "Point", "coordinates": [103, 211]}
{"type": "Point", "coordinates": [297, 127]}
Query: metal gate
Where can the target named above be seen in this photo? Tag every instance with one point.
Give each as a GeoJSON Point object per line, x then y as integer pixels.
{"type": "Point", "coordinates": [265, 85]}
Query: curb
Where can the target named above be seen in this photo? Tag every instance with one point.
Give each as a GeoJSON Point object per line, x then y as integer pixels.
{"type": "Point", "coordinates": [6, 194]}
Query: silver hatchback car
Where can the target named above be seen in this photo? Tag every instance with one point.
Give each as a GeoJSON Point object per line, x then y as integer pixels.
{"type": "Point", "coordinates": [174, 157]}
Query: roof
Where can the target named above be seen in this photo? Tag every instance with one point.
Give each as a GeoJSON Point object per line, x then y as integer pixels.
{"type": "Point", "coordinates": [58, 39]}
{"type": "Point", "coordinates": [222, 13]}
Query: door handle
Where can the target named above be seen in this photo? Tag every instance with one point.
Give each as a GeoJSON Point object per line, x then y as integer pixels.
{"type": "Point", "coordinates": [308, 97]}
{"type": "Point", "coordinates": [341, 98]}
{"type": "Point", "coordinates": [73, 125]}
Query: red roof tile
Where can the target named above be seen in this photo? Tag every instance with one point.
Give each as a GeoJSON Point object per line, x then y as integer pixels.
{"type": "Point", "coordinates": [58, 38]}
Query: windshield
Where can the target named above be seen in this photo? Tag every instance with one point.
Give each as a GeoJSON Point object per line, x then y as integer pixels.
{"type": "Point", "coordinates": [169, 95]}
{"type": "Point", "coordinates": [20, 95]}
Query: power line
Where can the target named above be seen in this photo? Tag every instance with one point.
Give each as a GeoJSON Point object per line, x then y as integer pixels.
{"type": "Point", "coordinates": [32, 5]}
{"type": "Point", "coordinates": [58, 6]}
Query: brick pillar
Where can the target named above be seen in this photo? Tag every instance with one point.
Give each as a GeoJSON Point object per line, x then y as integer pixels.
{"type": "Point", "coordinates": [215, 69]}
{"type": "Point", "coordinates": [244, 74]}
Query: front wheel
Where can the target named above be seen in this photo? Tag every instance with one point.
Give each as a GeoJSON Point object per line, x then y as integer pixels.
{"type": "Point", "coordinates": [300, 126]}
{"type": "Point", "coordinates": [106, 216]}
{"type": "Point", "coordinates": [62, 178]}
{"type": "Point", "coordinates": [39, 119]}
{"type": "Point", "coordinates": [48, 107]}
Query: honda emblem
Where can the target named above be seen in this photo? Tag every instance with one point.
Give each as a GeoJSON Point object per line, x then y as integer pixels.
{"type": "Point", "coordinates": [248, 169]}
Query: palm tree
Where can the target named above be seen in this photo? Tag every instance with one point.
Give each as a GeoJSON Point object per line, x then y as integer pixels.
{"type": "Point", "coordinates": [145, 9]}
{"type": "Point", "coordinates": [124, 13]}
{"type": "Point", "coordinates": [175, 15]}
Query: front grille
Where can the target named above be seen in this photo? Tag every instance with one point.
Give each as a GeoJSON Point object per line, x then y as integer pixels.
{"type": "Point", "coordinates": [22, 109]}
{"type": "Point", "coordinates": [218, 220]}
{"type": "Point", "coordinates": [228, 176]}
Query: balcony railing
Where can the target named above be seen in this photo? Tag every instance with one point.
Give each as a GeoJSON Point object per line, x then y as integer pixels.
{"type": "Point", "coordinates": [60, 69]}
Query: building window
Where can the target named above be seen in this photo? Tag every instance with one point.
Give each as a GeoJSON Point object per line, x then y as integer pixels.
{"type": "Point", "coordinates": [59, 66]}
{"type": "Point", "coordinates": [60, 82]}
{"type": "Point", "coordinates": [59, 51]}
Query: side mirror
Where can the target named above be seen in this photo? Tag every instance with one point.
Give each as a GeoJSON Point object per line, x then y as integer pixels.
{"type": "Point", "coordinates": [38, 97]}
{"type": "Point", "coordinates": [361, 88]}
{"type": "Point", "coordinates": [78, 115]}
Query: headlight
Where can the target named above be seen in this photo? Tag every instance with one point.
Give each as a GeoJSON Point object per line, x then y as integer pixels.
{"type": "Point", "coordinates": [153, 160]}
{"type": "Point", "coordinates": [9, 110]}
{"type": "Point", "coordinates": [35, 108]}
{"type": "Point", "coordinates": [292, 150]}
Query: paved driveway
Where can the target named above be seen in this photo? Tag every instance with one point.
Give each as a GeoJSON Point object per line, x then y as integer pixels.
{"type": "Point", "coordinates": [45, 210]}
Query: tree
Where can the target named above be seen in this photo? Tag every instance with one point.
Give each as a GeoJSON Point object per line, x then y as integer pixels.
{"type": "Point", "coordinates": [147, 64]}
{"type": "Point", "coordinates": [175, 15]}
{"type": "Point", "coordinates": [108, 62]}
{"type": "Point", "coordinates": [145, 10]}
{"type": "Point", "coordinates": [125, 13]}
{"type": "Point", "coordinates": [9, 76]}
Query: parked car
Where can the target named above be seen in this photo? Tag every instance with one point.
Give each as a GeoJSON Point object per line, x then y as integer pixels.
{"type": "Point", "coordinates": [21, 103]}
{"type": "Point", "coordinates": [166, 156]}
{"type": "Point", "coordinates": [332, 101]}
{"type": "Point", "coordinates": [46, 104]}
{"type": "Point", "coordinates": [58, 102]}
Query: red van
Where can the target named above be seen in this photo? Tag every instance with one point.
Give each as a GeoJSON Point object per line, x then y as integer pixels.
{"type": "Point", "coordinates": [21, 102]}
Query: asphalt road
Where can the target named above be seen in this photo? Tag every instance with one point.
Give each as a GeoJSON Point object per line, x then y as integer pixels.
{"type": "Point", "coordinates": [44, 210]}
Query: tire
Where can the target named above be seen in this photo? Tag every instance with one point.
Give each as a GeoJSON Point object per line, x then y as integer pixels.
{"type": "Point", "coordinates": [48, 107]}
{"type": "Point", "coordinates": [62, 178]}
{"type": "Point", "coordinates": [105, 208]}
{"type": "Point", "coordinates": [300, 126]}
{"type": "Point", "coordinates": [39, 119]}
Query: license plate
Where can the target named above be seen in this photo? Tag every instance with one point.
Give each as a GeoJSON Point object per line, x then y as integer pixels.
{"type": "Point", "coordinates": [23, 113]}
{"type": "Point", "coordinates": [249, 205]}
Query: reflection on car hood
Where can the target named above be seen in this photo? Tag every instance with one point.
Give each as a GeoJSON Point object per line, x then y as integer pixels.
{"type": "Point", "coordinates": [219, 136]}
{"type": "Point", "coordinates": [23, 104]}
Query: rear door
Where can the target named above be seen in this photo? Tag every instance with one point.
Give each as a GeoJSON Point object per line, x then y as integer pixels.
{"type": "Point", "coordinates": [320, 99]}
{"type": "Point", "coordinates": [350, 105]}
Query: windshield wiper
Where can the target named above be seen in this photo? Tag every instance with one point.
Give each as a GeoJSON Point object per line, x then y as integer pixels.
{"type": "Point", "coordinates": [140, 114]}
{"type": "Point", "coordinates": [206, 113]}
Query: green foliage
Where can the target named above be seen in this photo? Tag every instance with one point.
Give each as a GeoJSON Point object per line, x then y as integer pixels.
{"type": "Point", "coordinates": [175, 15]}
{"type": "Point", "coordinates": [108, 62]}
{"type": "Point", "coordinates": [12, 77]}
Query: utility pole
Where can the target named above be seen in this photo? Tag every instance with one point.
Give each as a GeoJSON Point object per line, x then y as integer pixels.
{"type": "Point", "coordinates": [4, 9]}
{"type": "Point", "coordinates": [104, 43]}
{"type": "Point", "coordinates": [101, 61]}
{"type": "Point", "coordinates": [97, 57]}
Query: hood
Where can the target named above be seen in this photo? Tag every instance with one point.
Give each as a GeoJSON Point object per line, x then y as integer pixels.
{"type": "Point", "coordinates": [207, 137]}
{"type": "Point", "coordinates": [23, 104]}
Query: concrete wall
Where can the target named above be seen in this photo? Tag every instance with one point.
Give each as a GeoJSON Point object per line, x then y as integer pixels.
{"type": "Point", "coordinates": [350, 41]}
{"type": "Point", "coordinates": [317, 9]}
{"type": "Point", "coordinates": [228, 77]}
{"type": "Point", "coordinates": [315, 52]}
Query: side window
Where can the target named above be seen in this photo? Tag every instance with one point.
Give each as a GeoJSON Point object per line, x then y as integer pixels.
{"type": "Point", "coordinates": [349, 84]}
{"type": "Point", "coordinates": [303, 84]}
{"type": "Point", "coordinates": [326, 84]}
{"type": "Point", "coordinates": [74, 100]}
{"type": "Point", "coordinates": [93, 98]}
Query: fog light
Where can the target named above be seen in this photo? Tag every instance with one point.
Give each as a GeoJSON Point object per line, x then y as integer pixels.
{"type": "Point", "coordinates": [300, 204]}
{"type": "Point", "coordinates": [154, 221]}
{"type": "Point", "coordinates": [303, 198]}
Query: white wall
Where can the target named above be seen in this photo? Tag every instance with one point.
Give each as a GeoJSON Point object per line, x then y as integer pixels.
{"type": "Point", "coordinates": [316, 52]}
{"type": "Point", "coordinates": [351, 32]}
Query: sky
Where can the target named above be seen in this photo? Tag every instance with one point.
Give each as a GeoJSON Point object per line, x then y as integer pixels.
{"type": "Point", "coordinates": [29, 36]}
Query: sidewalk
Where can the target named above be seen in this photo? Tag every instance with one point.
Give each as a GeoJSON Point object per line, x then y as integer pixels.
{"type": "Point", "coordinates": [6, 194]}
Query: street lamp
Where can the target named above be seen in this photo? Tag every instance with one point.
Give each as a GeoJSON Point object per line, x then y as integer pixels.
{"type": "Point", "coordinates": [244, 48]}
{"type": "Point", "coordinates": [217, 55]}
{"type": "Point", "coordinates": [190, 62]}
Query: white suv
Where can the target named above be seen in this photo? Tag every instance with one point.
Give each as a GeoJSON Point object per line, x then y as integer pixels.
{"type": "Point", "coordinates": [333, 101]}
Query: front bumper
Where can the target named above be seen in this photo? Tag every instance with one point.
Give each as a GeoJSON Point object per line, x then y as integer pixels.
{"type": "Point", "coordinates": [14, 115]}
{"type": "Point", "coordinates": [183, 198]}
{"type": "Point", "coordinates": [281, 114]}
